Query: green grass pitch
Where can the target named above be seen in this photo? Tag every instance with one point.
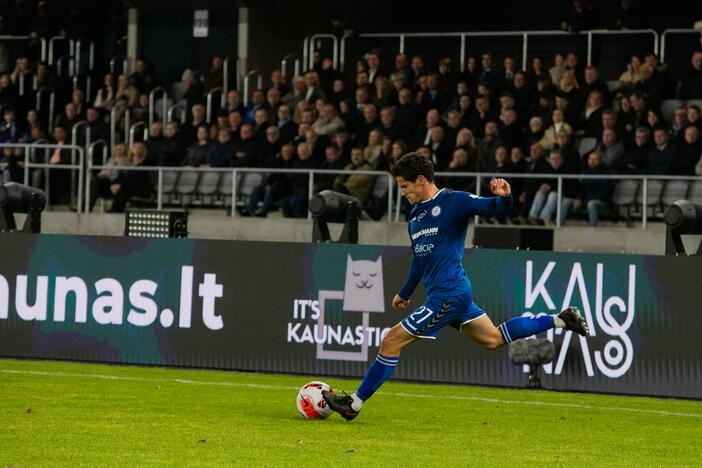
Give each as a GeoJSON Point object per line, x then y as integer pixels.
{"type": "Point", "coordinates": [72, 414]}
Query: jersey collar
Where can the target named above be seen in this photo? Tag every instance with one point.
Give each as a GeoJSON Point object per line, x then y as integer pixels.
{"type": "Point", "coordinates": [435, 195]}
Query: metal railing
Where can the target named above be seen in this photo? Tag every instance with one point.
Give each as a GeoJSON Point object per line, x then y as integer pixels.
{"type": "Point", "coordinates": [71, 47]}
{"type": "Point", "coordinates": [152, 104]}
{"type": "Point", "coordinates": [132, 133]}
{"type": "Point", "coordinates": [52, 98]}
{"type": "Point", "coordinates": [247, 87]}
{"type": "Point", "coordinates": [210, 102]}
{"type": "Point", "coordinates": [284, 65]}
{"type": "Point", "coordinates": [226, 73]}
{"type": "Point", "coordinates": [480, 176]}
{"type": "Point", "coordinates": [91, 54]}
{"type": "Point", "coordinates": [29, 149]}
{"type": "Point", "coordinates": [125, 64]}
{"type": "Point", "coordinates": [235, 171]}
{"type": "Point", "coordinates": [668, 32]}
{"type": "Point", "coordinates": [179, 107]}
{"type": "Point", "coordinates": [41, 41]}
{"type": "Point", "coordinates": [113, 124]}
{"type": "Point", "coordinates": [308, 49]}
{"type": "Point", "coordinates": [464, 36]}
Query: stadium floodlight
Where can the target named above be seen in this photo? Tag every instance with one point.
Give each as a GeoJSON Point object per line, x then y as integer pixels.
{"type": "Point", "coordinates": [334, 207]}
{"type": "Point", "coordinates": [682, 217]}
{"type": "Point", "coordinates": [17, 198]}
{"type": "Point", "coordinates": [534, 353]}
{"type": "Point", "coordinates": [156, 223]}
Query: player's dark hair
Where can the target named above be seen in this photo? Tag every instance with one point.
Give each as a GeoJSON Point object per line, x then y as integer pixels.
{"type": "Point", "coordinates": [411, 165]}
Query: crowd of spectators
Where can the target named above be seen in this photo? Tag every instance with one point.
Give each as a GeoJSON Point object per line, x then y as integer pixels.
{"type": "Point", "coordinates": [491, 117]}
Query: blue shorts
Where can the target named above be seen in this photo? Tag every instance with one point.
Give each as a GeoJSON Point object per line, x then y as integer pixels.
{"type": "Point", "coordinates": [437, 312]}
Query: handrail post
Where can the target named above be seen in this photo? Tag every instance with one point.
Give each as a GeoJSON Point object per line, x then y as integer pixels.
{"type": "Point", "coordinates": [310, 191]}
{"type": "Point", "coordinates": [644, 208]}
{"type": "Point", "coordinates": [159, 188]}
{"type": "Point", "coordinates": [559, 198]}
{"type": "Point", "coordinates": [525, 41]}
{"type": "Point", "coordinates": [390, 187]}
{"type": "Point", "coordinates": [402, 43]}
{"type": "Point", "coordinates": [463, 53]}
{"type": "Point", "coordinates": [478, 181]}
{"type": "Point", "coordinates": [589, 48]}
{"type": "Point", "coordinates": [398, 205]}
{"type": "Point", "coordinates": [79, 206]}
{"type": "Point", "coordinates": [234, 189]}
{"type": "Point", "coordinates": [663, 36]}
{"type": "Point", "coordinates": [210, 97]}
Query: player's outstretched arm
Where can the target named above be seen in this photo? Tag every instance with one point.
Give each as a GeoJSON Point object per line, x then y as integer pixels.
{"type": "Point", "coordinates": [500, 187]}
{"type": "Point", "coordinates": [490, 206]}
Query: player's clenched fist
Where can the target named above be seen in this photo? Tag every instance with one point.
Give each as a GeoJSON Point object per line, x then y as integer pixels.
{"type": "Point", "coordinates": [399, 303]}
{"type": "Point", "coordinates": [500, 187]}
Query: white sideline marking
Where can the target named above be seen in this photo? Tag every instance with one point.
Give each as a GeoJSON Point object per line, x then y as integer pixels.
{"type": "Point", "coordinates": [396, 394]}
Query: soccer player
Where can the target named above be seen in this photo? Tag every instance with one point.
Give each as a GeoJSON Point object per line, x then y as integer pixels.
{"type": "Point", "coordinates": [437, 229]}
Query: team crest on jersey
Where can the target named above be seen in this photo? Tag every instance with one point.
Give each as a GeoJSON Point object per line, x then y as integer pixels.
{"type": "Point", "coordinates": [436, 211]}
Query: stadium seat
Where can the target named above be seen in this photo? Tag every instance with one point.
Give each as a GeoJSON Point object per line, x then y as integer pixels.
{"type": "Point", "coordinates": [170, 178]}
{"type": "Point", "coordinates": [178, 90]}
{"type": "Point", "coordinates": [695, 102]}
{"type": "Point", "coordinates": [207, 188]}
{"type": "Point", "coordinates": [185, 187]}
{"type": "Point", "coordinates": [695, 192]}
{"type": "Point", "coordinates": [668, 108]}
{"type": "Point", "coordinates": [586, 145]}
{"type": "Point", "coordinates": [247, 183]}
{"type": "Point", "coordinates": [613, 85]}
{"type": "Point", "coordinates": [673, 191]}
{"type": "Point", "coordinates": [625, 197]}
{"type": "Point", "coordinates": [654, 191]}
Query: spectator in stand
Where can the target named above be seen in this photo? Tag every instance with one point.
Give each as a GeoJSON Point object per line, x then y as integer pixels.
{"type": "Point", "coordinates": [519, 166]}
{"type": "Point", "coordinates": [569, 87]}
{"type": "Point", "coordinates": [195, 92]}
{"type": "Point", "coordinates": [453, 126]}
{"type": "Point", "coordinates": [140, 112]}
{"type": "Point", "coordinates": [234, 103]}
{"type": "Point", "coordinates": [536, 132]}
{"type": "Point", "coordinates": [510, 129]}
{"type": "Point", "coordinates": [418, 68]}
{"type": "Point", "coordinates": [399, 148]}
{"type": "Point", "coordinates": [571, 159]}
{"type": "Point", "coordinates": [370, 122]}
{"type": "Point", "coordinates": [637, 158]}
{"type": "Point", "coordinates": [484, 114]}
{"type": "Point", "coordinates": [189, 132]}
{"type": "Point", "coordinates": [626, 115]}
{"type": "Point", "coordinates": [278, 82]}
{"type": "Point", "coordinates": [609, 120]}
{"type": "Point", "coordinates": [21, 72]}
{"type": "Point", "coordinates": [334, 162]}
{"type": "Point", "coordinates": [273, 101]}
{"type": "Point", "coordinates": [389, 126]}
{"type": "Point", "coordinates": [96, 125]}
{"type": "Point", "coordinates": [654, 117]}
{"type": "Point", "coordinates": [258, 101]}
{"type": "Point", "coordinates": [691, 83]}
{"type": "Point", "coordinates": [611, 149]}
{"type": "Point", "coordinates": [269, 150]}
{"type": "Point", "coordinates": [260, 124]}
{"type": "Point", "coordinates": [374, 70]}
{"type": "Point", "coordinates": [274, 185]}
{"type": "Point", "coordinates": [580, 17]}
{"type": "Point", "coordinates": [142, 78]}
{"type": "Point", "coordinates": [680, 123]}
{"type": "Point", "coordinates": [328, 122]}
{"type": "Point", "coordinates": [68, 119]}
{"type": "Point", "coordinates": [10, 131]}
{"type": "Point", "coordinates": [470, 74]}
{"type": "Point", "coordinates": [488, 74]}
{"type": "Point", "coordinates": [127, 90]}
{"type": "Point", "coordinates": [402, 69]}
{"type": "Point", "coordinates": [501, 163]}
{"type": "Point", "coordinates": [196, 153]}
{"type": "Point", "coordinates": [570, 111]}
{"type": "Point", "coordinates": [8, 91]}
{"type": "Point", "coordinates": [220, 153]}
{"type": "Point", "coordinates": [356, 185]}
{"type": "Point", "coordinates": [592, 82]}
{"type": "Point", "coordinates": [32, 123]}
{"type": "Point", "coordinates": [632, 75]}
{"type": "Point", "coordinates": [44, 76]}
{"type": "Point", "coordinates": [294, 201]}
{"type": "Point", "coordinates": [407, 112]}
{"type": "Point", "coordinates": [649, 85]}
{"type": "Point", "coordinates": [246, 149]}
{"type": "Point", "coordinates": [343, 142]}
{"type": "Point", "coordinates": [662, 157]}
{"type": "Point", "coordinates": [288, 128]}
{"type": "Point", "coordinates": [106, 94]}
{"type": "Point", "coordinates": [460, 162]}
{"type": "Point", "coordinates": [101, 182]}
{"type": "Point", "coordinates": [434, 97]}
{"type": "Point", "coordinates": [591, 119]}
{"type": "Point", "coordinates": [556, 72]}
{"type": "Point", "coordinates": [489, 143]}
{"type": "Point", "coordinates": [78, 100]}
{"type": "Point", "coordinates": [662, 74]}
{"type": "Point", "coordinates": [688, 153]}
{"type": "Point", "coordinates": [155, 143]}
{"type": "Point", "coordinates": [639, 108]}
{"type": "Point", "coordinates": [215, 77]}
{"type": "Point", "coordinates": [234, 122]}
{"type": "Point", "coordinates": [131, 183]}
{"type": "Point", "coordinates": [172, 150]}
{"type": "Point", "coordinates": [373, 151]}
{"type": "Point", "coordinates": [381, 91]}
{"type": "Point", "coordinates": [440, 148]}
{"type": "Point", "coordinates": [313, 91]}
{"type": "Point", "coordinates": [559, 125]}
{"type": "Point", "coordinates": [595, 195]}
{"type": "Point", "coordinates": [694, 116]}
{"type": "Point", "coordinates": [298, 92]}
{"type": "Point", "coordinates": [59, 179]}
{"type": "Point", "coordinates": [543, 208]}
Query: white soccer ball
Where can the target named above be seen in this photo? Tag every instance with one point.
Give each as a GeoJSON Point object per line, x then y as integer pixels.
{"type": "Point", "coordinates": [310, 403]}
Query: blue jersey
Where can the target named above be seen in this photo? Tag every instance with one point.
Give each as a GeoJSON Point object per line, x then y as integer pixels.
{"type": "Point", "coordinates": [437, 229]}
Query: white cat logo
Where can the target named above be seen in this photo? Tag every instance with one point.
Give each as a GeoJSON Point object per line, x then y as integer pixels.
{"type": "Point", "coordinates": [436, 211]}
{"type": "Point", "coordinates": [363, 288]}
{"type": "Point", "coordinates": [363, 292]}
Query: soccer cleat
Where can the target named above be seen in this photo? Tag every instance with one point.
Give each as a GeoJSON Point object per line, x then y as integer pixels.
{"type": "Point", "coordinates": [574, 321]}
{"type": "Point", "coordinates": [341, 404]}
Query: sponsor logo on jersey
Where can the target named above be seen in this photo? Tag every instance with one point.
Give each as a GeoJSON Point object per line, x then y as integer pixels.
{"type": "Point", "coordinates": [432, 231]}
{"type": "Point", "coordinates": [420, 250]}
{"type": "Point", "coordinates": [436, 211]}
